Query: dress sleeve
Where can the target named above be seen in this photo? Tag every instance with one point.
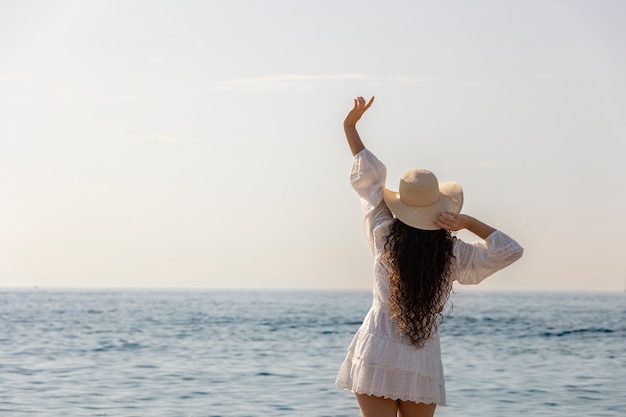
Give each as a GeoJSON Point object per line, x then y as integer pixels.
{"type": "Point", "coordinates": [368, 179]}
{"type": "Point", "coordinates": [478, 260]}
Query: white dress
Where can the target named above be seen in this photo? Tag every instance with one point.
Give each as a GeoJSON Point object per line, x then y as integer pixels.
{"type": "Point", "coordinates": [381, 361]}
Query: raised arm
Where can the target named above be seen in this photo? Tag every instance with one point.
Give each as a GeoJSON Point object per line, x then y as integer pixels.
{"type": "Point", "coordinates": [349, 124]}
{"type": "Point", "coordinates": [452, 221]}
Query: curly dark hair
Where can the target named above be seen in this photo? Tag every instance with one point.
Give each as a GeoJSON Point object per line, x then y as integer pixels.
{"type": "Point", "coordinates": [419, 269]}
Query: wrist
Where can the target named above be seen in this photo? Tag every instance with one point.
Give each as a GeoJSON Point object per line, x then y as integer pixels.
{"type": "Point", "coordinates": [349, 124]}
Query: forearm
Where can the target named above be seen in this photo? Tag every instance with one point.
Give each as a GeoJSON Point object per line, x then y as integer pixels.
{"type": "Point", "coordinates": [479, 228]}
{"type": "Point", "coordinates": [349, 124]}
{"type": "Point", "coordinates": [354, 140]}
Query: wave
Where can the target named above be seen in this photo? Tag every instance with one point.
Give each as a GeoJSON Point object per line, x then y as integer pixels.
{"type": "Point", "coordinates": [591, 330]}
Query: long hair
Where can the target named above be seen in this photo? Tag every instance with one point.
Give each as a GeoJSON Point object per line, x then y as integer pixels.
{"type": "Point", "coordinates": [419, 269]}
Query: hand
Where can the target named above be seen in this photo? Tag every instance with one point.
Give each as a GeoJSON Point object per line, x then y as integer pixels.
{"type": "Point", "coordinates": [360, 106]}
{"type": "Point", "coordinates": [450, 220]}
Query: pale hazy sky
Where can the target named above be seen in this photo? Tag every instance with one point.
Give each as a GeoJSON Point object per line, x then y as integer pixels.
{"type": "Point", "coordinates": [199, 143]}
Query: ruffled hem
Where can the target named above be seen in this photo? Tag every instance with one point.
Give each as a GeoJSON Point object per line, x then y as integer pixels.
{"type": "Point", "coordinates": [394, 384]}
{"type": "Point", "coordinates": [388, 368]}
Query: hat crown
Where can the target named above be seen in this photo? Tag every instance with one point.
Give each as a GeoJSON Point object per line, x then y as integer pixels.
{"type": "Point", "coordinates": [419, 188]}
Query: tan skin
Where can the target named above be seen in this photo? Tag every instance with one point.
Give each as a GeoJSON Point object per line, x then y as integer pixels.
{"type": "Point", "coordinates": [372, 406]}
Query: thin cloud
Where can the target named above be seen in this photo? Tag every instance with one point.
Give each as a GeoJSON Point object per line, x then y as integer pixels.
{"type": "Point", "coordinates": [299, 83]}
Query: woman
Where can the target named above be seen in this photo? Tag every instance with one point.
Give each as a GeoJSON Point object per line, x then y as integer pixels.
{"type": "Point", "coordinates": [394, 363]}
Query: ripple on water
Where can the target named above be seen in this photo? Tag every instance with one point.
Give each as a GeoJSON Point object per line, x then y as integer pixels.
{"type": "Point", "coordinates": [159, 353]}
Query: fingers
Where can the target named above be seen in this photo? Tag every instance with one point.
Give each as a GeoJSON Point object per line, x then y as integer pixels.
{"type": "Point", "coordinates": [447, 220]}
{"type": "Point", "coordinates": [359, 102]}
{"type": "Point", "coordinates": [360, 106]}
{"type": "Point", "coordinates": [450, 215]}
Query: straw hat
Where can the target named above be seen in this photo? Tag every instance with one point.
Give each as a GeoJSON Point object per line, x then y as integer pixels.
{"type": "Point", "coordinates": [420, 198]}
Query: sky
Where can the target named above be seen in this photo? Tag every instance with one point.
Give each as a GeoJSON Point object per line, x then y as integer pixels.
{"type": "Point", "coordinates": [199, 144]}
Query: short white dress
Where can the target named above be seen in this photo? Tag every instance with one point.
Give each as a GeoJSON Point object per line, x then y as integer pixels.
{"type": "Point", "coordinates": [381, 360]}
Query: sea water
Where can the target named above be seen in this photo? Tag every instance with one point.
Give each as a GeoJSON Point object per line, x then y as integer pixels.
{"type": "Point", "coordinates": [276, 353]}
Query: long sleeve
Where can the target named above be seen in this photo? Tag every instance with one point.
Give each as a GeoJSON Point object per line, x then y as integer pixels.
{"type": "Point", "coordinates": [478, 260]}
{"type": "Point", "coordinates": [367, 177]}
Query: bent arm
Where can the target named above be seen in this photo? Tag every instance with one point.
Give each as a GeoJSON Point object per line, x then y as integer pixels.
{"type": "Point", "coordinates": [349, 124]}
{"type": "Point", "coordinates": [455, 221]}
{"type": "Point", "coordinates": [478, 260]}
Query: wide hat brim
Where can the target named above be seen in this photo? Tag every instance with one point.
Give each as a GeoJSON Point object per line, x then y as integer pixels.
{"type": "Point", "coordinates": [423, 217]}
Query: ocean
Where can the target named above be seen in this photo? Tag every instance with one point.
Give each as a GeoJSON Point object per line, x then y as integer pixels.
{"type": "Point", "coordinates": [232, 353]}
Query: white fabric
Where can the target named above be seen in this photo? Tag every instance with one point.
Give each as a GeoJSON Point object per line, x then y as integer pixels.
{"type": "Point", "coordinates": [382, 361]}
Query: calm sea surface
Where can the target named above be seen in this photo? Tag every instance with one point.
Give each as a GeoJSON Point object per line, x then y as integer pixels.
{"type": "Point", "coordinates": [275, 353]}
